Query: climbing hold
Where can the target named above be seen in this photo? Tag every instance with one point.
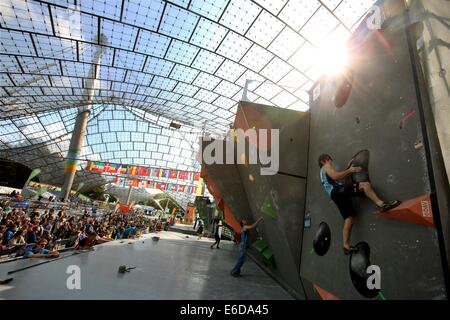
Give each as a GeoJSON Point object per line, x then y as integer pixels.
{"type": "Point", "coordinates": [361, 159]}
{"type": "Point", "coordinates": [418, 144]}
{"type": "Point", "coordinates": [322, 239]}
{"type": "Point", "coordinates": [307, 220]}
{"type": "Point", "coordinates": [251, 178]}
{"type": "Point", "coordinates": [417, 210]}
{"type": "Point", "coordinates": [405, 118]}
{"type": "Point", "coordinates": [268, 207]}
{"type": "Point", "coordinates": [325, 295]}
{"type": "Point", "coordinates": [359, 262]}
{"type": "Point", "coordinates": [357, 120]}
{"type": "Point", "coordinates": [344, 88]}
{"type": "Point", "coordinates": [244, 160]}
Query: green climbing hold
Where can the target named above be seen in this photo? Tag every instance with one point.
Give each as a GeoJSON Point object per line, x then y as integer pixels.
{"type": "Point", "coordinates": [260, 245]}
{"type": "Point", "coordinates": [268, 207]}
{"type": "Point", "coordinates": [268, 257]}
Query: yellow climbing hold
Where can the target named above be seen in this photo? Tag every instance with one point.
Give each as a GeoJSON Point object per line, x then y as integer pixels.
{"type": "Point", "coordinates": [244, 160]}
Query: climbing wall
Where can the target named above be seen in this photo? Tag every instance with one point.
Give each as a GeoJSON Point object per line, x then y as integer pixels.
{"type": "Point", "coordinates": [373, 107]}
{"type": "Point", "coordinates": [279, 197]}
{"type": "Point", "coordinates": [224, 183]}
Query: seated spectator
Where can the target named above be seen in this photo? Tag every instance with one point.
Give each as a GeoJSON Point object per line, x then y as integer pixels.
{"type": "Point", "coordinates": [64, 231]}
{"type": "Point", "coordinates": [74, 238]}
{"type": "Point", "coordinates": [17, 239]}
{"type": "Point", "coordinates": [2, 230]}
{"type": "Point", "coordinates": [37, 251]}
{"type": "Point", "coordinates": [8, 233]}
{"type": "Point", "coordinates": [87, 242]}
{"type": "Point", "coordinates": [31, 235]}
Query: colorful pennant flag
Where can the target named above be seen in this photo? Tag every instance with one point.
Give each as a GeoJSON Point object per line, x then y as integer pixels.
{"type": "Point", "coordinates": [132, 170]}
{"type": "Point", "coordinates": [182, 175]}
{"type": "Point", "coordinates": [173, 174]}
{"type": "Point", "coordinates": [155, 172]}
{"type": "Point", "coordinates": [164, 173]}
{"type": "Point", "coordinates": [143, 171]}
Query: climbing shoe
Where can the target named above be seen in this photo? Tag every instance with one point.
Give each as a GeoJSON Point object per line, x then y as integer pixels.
{"type": "Point", "coordinates": [390, 205]}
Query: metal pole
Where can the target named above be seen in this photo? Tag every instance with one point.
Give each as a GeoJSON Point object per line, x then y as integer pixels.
{"type": "Point", "coordinates": [79, 132]}
{"type": "Point", "coordinates": [76, 144]}
{"type": "Point", "coordinates": [129, 195]}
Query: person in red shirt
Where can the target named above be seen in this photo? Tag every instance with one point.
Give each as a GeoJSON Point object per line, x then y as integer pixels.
{"type": "Point", "coordinates": [87, 242]}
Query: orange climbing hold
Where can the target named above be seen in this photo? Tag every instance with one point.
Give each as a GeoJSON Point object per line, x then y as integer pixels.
{"type": "Point", "coordinates": [325, 295]}
{"type": "Point", "coordinates": [417, 210]}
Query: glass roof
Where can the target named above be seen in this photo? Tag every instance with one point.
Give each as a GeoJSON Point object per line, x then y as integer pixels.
{"type": "Point", "coordinates": [161, 61]}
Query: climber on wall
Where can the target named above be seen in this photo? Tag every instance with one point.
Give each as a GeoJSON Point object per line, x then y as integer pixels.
{"type": "Point", "coordinates": [342, 195]}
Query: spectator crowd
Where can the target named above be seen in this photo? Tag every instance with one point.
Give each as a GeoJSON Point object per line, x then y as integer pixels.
{"type": "Point", "coordinates": [29, 233]}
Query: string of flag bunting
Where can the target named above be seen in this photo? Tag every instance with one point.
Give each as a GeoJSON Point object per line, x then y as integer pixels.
{"type": "Point", "coordinates": [106, 167]}
{"type": "Point", "coordinates": [123, 181]}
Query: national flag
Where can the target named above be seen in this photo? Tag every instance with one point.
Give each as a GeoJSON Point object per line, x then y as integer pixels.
{"type": "Point", "coordinates": [165, 173]}
{"type": "Point", "coordinates": [143, 183]}
{"type": "Point", "coordinates": [89, 166]}
{"type": "Point", "coordinates": [122, 169]}
{"type": "Point", "coordinates": [161, 186]}
{"type": "Point", "coordinates": [197, 176]}
{"type": "Point", "coordinates": [106, 167]}
{"type": "Point", "coordinates": [182, 175]}
{"type": "Point", "coordinates": [113, 168]}
{"type": "Point", "coordinates": [132, 170]}
{"type": "Point", "coordinates": [98, 166]}
{"type": "Point", "coordinates": [173, 174]}
{"type": "Point", "coordinates": [181, 188]}
{"type": "Point", "coordinates": [143, 171]}
{"type": "Point", "coordinates": [154, 172]}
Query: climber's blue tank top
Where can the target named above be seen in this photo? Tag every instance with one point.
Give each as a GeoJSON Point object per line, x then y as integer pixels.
{"type": "Point", "coordinates": [328, 183]}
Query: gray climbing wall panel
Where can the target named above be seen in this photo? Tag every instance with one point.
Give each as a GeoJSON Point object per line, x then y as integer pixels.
{"type": "Point", "coordinates": [382, 116]}
{"type": "Point", "coordinates": [278, 197]}
{"type": "Point", "coordinates": [226, 179]}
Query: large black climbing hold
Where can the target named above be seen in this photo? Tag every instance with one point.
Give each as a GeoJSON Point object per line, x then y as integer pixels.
{"type": "Point", "coordinates": [361, 159]}
{"type": "Point", "coordinates": [359, 262]}
{"type": "Point", "coordinates": [344, 83]}
{"type": "Point", "coordinates": [322, 239]}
